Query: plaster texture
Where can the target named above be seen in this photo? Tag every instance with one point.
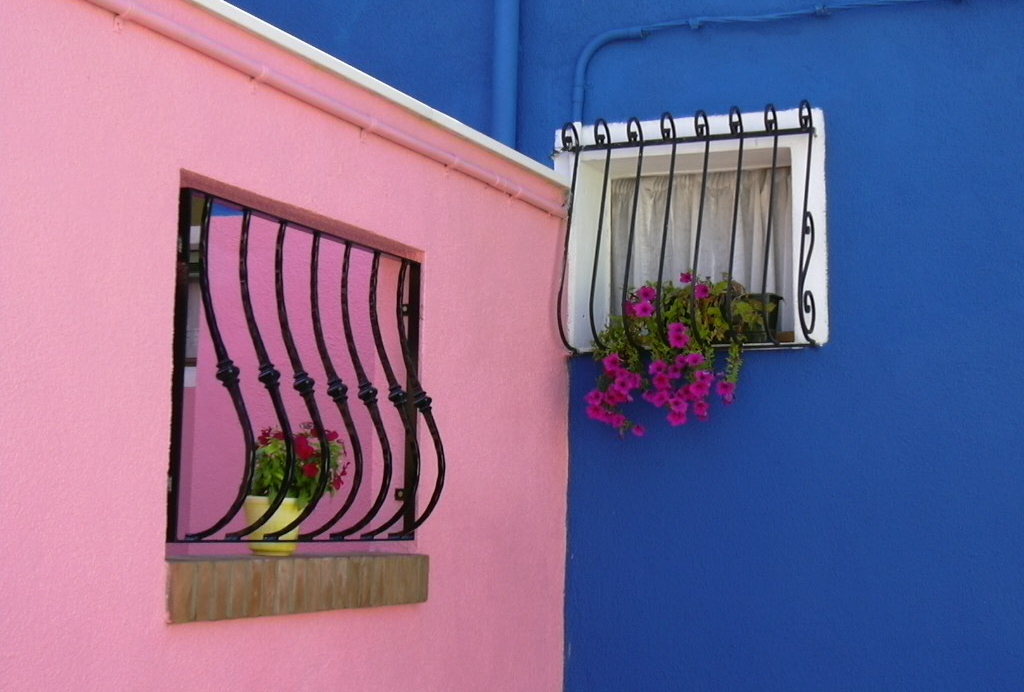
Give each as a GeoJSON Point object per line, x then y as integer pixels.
{"type": "Point", "coordinates": [101, 124]}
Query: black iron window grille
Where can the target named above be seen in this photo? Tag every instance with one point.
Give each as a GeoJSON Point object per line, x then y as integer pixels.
{"type": "Point", "coordinates": [719, 196]}
{"type": "Point", "coordinates": [261, 301]}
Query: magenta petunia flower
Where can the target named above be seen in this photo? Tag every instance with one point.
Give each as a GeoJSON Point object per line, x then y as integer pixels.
{"type": "Point", "coordinates": [702, 410]}
{"type": "Point", "coordinates": [725, 388]}
{"type": "Point", "coordinates": [311, 470]}
{"type": "Point", "coordinates": [678, 336]}
{"type": "Point", "coordinates": [704, 377]}
{"type": "Point", "coordinates": [699, 390]}
{"type": "Point", "coordinates": [644, 309]}
{"type": "Point", "coordinates": [679, 405]}
{"type": "Point", "coordinates": [639, 430]}
{"type": "Point", "coordinates": [694, 359]}
{"type": "Point", "coordinates": [702, 291]}
{"type": "Point", "coordinates": [686, 278]}
{"type": "Point", "coordinates": [657, 366]}
{"type": "Point", "coordinates": [657, 398]}
{"type": "Point", "coordinates": [594, 397]}
{"type": "Point", "coordinates": [614, 397]}
{"type": "Point", "coordinates": [675, 418]}
{"type": "Point", "coordinates": [612, 362]}
{"type": "Point", "coordinates": [627, 380]}
{"type": "Point", "coordinates": [647, 294]}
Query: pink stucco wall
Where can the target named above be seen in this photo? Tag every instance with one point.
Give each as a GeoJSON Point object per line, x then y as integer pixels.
{"type": "Point", "coordinates": [97, 125]}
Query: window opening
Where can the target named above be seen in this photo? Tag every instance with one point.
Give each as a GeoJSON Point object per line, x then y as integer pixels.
{"type": "Point", "coordinates": [263, 303]}
{"type": "Point", "coordinates": [715, 196]}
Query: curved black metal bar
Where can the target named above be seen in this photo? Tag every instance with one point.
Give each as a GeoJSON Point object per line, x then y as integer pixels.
{"type": "Point", "coordinates": [397, 396]}
{"type": "Point", "coordinates": [368, 395]}
{"type": "Point", "coordinates": [570, 142]}
{"type": "Point", "coordinates": [422, 402]}
{"type": "Point", "coordinates": [668, 132]}
{"type": "Point", "coordinates": [270, 376]}
{"type": "Point", "coordinates": [601, 136]}
{"type": "Point", "coordinates": [702, 129]}
{"type": "Point", "coordinates": [304, 385]}
{"type": "Point", "coordinates": [635, 134]}
{"type": "Point", "coordinates": [807, 305]}
{"type": "Point", "coordinates": [736, 128]}
{"type": "Point", "coordinates": [227, 372]}
{"type": "Point", "coordinates": [336, 389]}
{"type": "Point", "coordinates": [806, 298]}
{"type": "Point", "coordinates": [771, 124]}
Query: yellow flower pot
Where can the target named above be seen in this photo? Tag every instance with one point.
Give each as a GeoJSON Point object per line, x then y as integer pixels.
{"type": "Point", "coordinates": [255, 507]}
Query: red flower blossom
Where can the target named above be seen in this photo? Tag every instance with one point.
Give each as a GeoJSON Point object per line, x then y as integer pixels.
{"type": "Point", "coordinates": [311, 470]}
{"type": "Point", "coordinates": [303, 449]}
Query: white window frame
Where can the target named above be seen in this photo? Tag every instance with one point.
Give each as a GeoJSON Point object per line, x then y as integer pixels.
{"type": "Point", "coordinates": [757, 152]}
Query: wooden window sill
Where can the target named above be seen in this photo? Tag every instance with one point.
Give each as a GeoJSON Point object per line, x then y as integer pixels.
{"type": "Point", "coordinates": [224, 588]}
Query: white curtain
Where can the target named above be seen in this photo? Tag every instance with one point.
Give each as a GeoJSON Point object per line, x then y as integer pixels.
{"type": "Point", "coordinates": [716, 230]}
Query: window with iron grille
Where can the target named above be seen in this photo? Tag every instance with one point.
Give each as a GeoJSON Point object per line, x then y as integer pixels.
{"type": "Point", "coordinates": [738, 197]}
{"type": "Point", "coordinates": [296, 378]}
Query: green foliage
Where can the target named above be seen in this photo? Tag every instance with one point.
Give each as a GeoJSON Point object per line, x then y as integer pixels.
{"type": "Point", "coordinates": [272, 460]}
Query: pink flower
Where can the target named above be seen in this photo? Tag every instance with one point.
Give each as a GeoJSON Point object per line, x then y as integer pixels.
{"type": "Point", "coordinates": [336, 483]}
{"type": "Point", "coordinates": [639, 430]}
{"type": "Point", "coordinates": [678, 336]}
{"type": "Point", "coordinates": [647, 294]}
{"type": "Point", "coordinates": [701, 409]}
{"type": "Point", "coordinates": [626, 380]}
{"type": "Point", "coordinates": [704, 377]}
{"type": "Point", "coordinates": [694, 359]}
{"type": "Point", "coordinates": [699, 390]}
{"type": "Point", "coordinates": [594, 397]}
{"type": "Point", "coordinates": [657, 366]}
{"type": "Point", "coordinates": [679, 405]}
{"type": "Point", "coordinates": [658, 398]}
{"type": "Point", "coordinates": [702, 290]}
{"type": "Point", "coordinates": [676, 418]}
{"type": "Point", "coordinates": [644, 309]}
{"type": "Point", "coordinates": [686, 278]}
{"type": "Point", "coordinates": [726, 390]}
{"type": "Point", "coordinates": [661, 381]}
{"type": "Point", "coordinates": [310, 470]}
{"type": "Point", "coordinates": [614, 397]}
{"type": "Point", "coordinates": [612, 362]}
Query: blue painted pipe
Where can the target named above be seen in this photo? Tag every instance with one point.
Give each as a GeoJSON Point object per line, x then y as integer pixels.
{"type": "Point", "coordinates": [505, 80]}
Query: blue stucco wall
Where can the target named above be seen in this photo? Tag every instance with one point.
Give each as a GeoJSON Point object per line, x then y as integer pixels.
{"type": "Point", "coordinates": [440, 55]}
{"type": "Point", "coordinates": [856, 520]}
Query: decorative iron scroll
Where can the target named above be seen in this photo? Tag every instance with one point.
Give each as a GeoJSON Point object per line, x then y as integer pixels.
{"type": "Point", "coordinates": [602, 147]}
{"type": "Point", "coordinates": [276, 296]}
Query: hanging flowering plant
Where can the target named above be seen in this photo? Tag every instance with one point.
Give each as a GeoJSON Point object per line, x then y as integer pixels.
{"type": "Point", "coordinates": [662, 349]}
{"type": "Point", "coordinates": [272, 463]}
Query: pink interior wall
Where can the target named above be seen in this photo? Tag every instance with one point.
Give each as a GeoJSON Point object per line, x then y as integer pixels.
{"type": "Point", "coordinates": [96, 127]}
